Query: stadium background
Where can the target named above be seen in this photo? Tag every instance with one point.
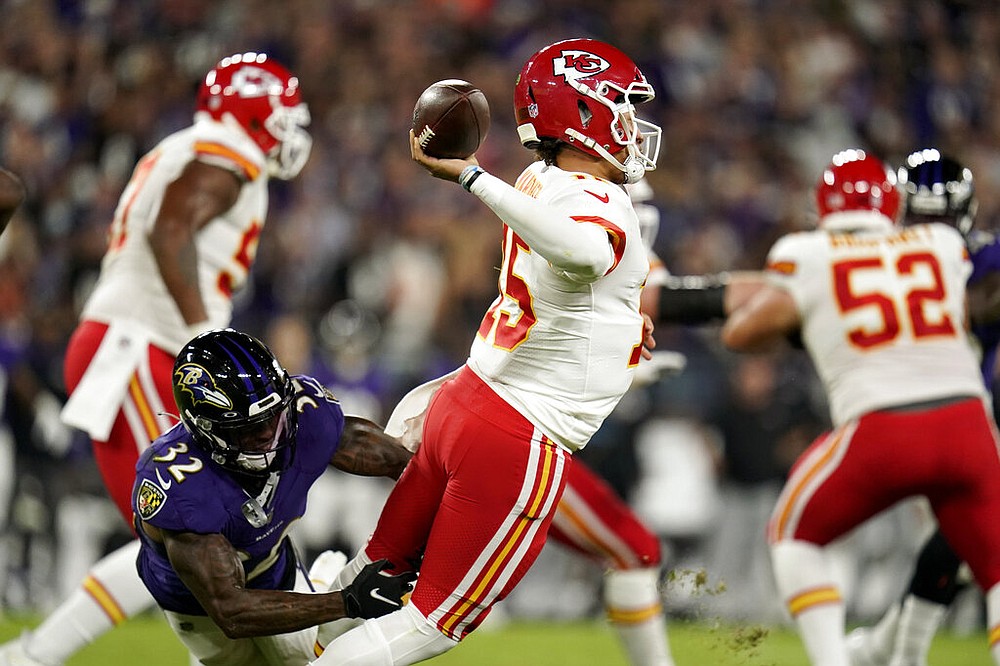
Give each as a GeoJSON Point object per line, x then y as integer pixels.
{"type": "Point", "coordinates": [373, 276]}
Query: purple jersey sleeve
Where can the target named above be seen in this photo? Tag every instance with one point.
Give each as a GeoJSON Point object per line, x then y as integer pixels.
{"type": "Point", "coordinates": [985, 254]}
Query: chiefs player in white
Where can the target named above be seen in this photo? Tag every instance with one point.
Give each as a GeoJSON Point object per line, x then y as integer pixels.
{"type": "Point", "coordinates": [590, 518]}
{"type": "Point", "coordinates": [183, 239]}
{"type": "Point", "coordinates": [554, 354]}
{"type": "Point", "coordinates": [881, 311]}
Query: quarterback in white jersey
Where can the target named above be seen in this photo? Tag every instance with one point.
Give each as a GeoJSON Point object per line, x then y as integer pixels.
{"type": "Point", "coordinates": [561, 346]}
{"type": "Point", "coordinates": [881, 311]}
{"type": "Point", "coordinates": [553, 355]}
{"type": "Point", "coordinates": [183, 238]}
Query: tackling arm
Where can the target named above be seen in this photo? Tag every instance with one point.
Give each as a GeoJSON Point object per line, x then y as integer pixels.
{"type": "Point", "coordinates": [210, 567]}
{"type": "Point", "coordinates": [200, 194]}
{"type": "Point", "coordinates": [366, 450]}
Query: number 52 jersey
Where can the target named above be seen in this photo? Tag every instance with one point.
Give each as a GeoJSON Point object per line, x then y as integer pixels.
{"type": "Point", "coordinates": [883, 312]}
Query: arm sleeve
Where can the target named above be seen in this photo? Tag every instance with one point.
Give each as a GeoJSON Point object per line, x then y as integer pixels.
{"type": "Point", "coordinates": [583, 250]}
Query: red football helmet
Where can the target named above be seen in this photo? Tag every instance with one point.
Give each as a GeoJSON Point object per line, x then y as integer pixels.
{"type": "Point", "coordinates": [583, 91]}
{"type": "Point", "coordinates": [263, 99]}
{"type": "Point", "coordinates": [856, 182]}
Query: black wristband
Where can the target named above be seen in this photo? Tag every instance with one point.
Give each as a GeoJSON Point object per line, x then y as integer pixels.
{"type": "Point", "coordinates": [693, 299]}
{"type": "Point", "coordinates": [469, 175]}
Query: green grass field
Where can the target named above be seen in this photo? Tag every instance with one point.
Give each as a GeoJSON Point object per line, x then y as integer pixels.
{"type": "Point", "coordinates": [149, 642]}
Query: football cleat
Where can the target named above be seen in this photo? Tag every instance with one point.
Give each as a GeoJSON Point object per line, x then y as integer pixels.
{"type": "Point", "coordinates": [12, 653]}
{"type": "Point", "coordinates": [863, 650]}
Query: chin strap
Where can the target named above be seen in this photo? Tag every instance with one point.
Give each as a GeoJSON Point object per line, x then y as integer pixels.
{"type": "Point", "coordinates": [253, 508]}
{"type": "Point", "coordinates": [633, 168]}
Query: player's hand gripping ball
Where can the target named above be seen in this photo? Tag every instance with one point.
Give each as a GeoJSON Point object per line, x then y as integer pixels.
{"type": "Point", "coordinates": [451, 119]}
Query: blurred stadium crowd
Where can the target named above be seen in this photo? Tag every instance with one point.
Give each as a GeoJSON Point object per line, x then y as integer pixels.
{"type": "Point", "coordinates": [373, 277]}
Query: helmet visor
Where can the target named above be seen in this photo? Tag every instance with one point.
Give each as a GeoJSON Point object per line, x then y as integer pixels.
{"type": "Point", "coordinates": [258, 444]}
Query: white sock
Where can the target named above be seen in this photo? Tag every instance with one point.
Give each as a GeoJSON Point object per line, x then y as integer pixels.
{"type": "Point", "coordinates": [110, 594]}
{"type": "Point", "coordinates": [918, 622]}
{"type": "Point", "coordinates": [806, 584]}
{"type": "Point", "coordinates": [993, 622]}
{"type": "Point", "coordinates": [634, 608]}
{"type": "Point", "coordinates": [400, 638]}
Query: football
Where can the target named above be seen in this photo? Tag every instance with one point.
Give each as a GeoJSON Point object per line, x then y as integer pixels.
{"type": "Point", "coordinates": [451, 119]}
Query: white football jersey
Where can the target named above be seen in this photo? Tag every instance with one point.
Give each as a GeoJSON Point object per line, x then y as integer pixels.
{"type": "Point", "coordinates": [560, 350]}
{"type": "Point", "coordinates": [883, 313]}
{"type": "Point", "coordinates": [130, 285]}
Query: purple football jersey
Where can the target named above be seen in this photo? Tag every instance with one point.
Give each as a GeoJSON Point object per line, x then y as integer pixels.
{"type": "Point", "coordinates": [985, 254]}
{"type": "Point", "coordinates": [178, 487]}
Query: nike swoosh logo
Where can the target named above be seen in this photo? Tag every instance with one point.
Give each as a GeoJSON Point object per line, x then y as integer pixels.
{"type": "Point", "coordinates": [163, 484]}
{"type": "Point", "coordinates": [603, 198]}
{"type": "Point", "coordinates": [375, 595]}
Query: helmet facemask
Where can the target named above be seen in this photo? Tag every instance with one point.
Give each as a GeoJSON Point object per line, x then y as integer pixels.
{"type": "Point", "coordinates": [256, 447]}
{"type": "Point", "coordinates": [640, 137]}
{"type": "Point", "coordinates": [286, 124]}
{"type": "Point", "coordinates": [937, 188]}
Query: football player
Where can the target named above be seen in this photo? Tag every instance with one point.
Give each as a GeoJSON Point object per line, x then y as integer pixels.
{"type": "Point", "coordinates": [215, 496]}
{"type": "Point", "coordinates": [938, 188]}
{"type": "Point", "coordinates": [554, 354]}
{"type": "Point", "coordinates": [881, 311]}
{"type": "Point", "coordinates": [591, 519]}
{"type": "Point", "coordinates": [182, 241]}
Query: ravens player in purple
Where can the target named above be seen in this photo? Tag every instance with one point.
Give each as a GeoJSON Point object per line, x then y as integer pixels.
{"type": "Point", "coordinates": [216, 495]}
{"type": "Point", "coordinates": [938, 188]}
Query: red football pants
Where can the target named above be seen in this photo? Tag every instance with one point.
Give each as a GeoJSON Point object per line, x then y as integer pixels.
{"type": "Point", "coordinates": [593, 521]}
{"type": "Point", "coordinates": [948, 454]}
{"type": "Point", "coordinates": [475, 502]}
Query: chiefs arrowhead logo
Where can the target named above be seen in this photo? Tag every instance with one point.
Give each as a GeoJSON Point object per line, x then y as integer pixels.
{"type": "Point", "coordinates": [573, 65]}
{"type": "Point", "coordinates": [251, 81]}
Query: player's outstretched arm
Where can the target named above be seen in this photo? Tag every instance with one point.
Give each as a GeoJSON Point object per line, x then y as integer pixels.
{"type": "Point", "coordinates": [769, 316]}
{"type": "Point", "coordinates": [210, 567]}
{"type": "Point", "coordinates": [365, 449]}
{"type": "Point", "coordinates": [11, 196]}
{"type": "Point", "coordinates": [702, 299]}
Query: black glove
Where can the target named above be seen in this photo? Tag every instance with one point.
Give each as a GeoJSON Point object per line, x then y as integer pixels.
{"type": "Point", "coordinates": [374, 594]}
